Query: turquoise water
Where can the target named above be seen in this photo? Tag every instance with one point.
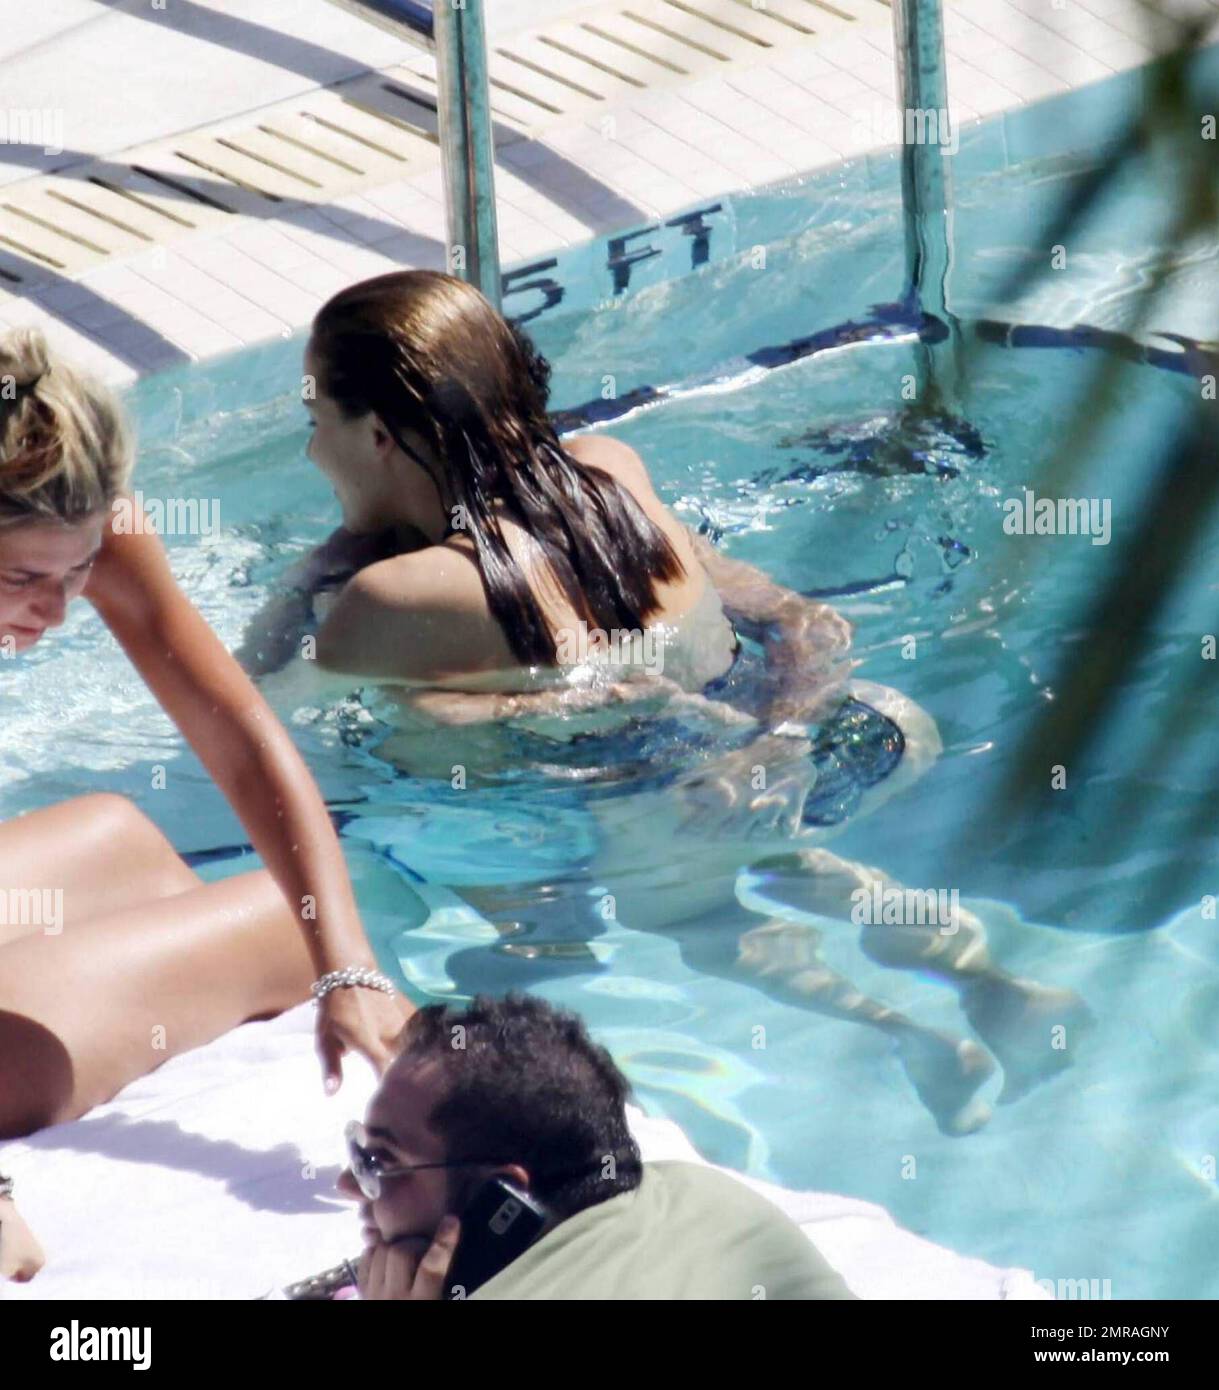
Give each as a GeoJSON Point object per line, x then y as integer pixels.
{"type": "Point", "coordinates": [1101, 1172]}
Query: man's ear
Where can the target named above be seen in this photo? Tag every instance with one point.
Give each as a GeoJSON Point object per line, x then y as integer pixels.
{"type": "Point", "coordinates": [516, 1175]}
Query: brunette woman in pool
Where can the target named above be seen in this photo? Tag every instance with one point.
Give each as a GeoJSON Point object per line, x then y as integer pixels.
{"type": "Point", "coordinates": [474, 542]}
{"type": "Point", "coordinates": [143, 943]}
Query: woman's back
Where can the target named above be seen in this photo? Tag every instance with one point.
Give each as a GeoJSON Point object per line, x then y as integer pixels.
{"type": "Point", "coordinates": [431, 420]}
{"type": "Point", "coordinates": [686, 638]}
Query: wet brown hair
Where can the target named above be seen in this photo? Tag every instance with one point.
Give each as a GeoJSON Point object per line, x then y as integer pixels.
{"type": "Point", "coordinates": [427, 352]}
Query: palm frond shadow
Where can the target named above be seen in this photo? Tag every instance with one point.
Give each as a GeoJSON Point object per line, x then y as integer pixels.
{"type": "Point", "coordinates": [1163, 550]}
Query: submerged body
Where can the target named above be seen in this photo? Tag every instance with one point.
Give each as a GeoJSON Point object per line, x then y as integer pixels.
{"type": "Point", "coordinates": [534, 840]}
{"type": "Point", "coordinates": [478, 552]}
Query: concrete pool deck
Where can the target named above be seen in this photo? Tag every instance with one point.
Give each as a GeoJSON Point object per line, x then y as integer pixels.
{"type": "Point", "coordinates": [180, 180]}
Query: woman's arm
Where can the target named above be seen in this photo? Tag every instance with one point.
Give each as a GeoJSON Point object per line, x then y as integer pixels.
{"type": "Point", "coordinates": [806, 642]}
{"type": "Point", "coordinates": [273, 636]}
{"type": "Point", "coordinates": [257, 767]}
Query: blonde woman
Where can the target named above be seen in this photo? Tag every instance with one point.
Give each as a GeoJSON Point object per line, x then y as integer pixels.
{"type": "Point", "coordinates": [146, 944]}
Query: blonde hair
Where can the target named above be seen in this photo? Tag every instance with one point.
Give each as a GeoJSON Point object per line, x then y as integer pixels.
{"type": "Point", "coordinates": [65, 446]}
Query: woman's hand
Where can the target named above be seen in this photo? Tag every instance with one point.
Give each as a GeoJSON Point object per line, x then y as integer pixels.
{"type": "Point", "coordinates": [299, 601]}
{"type": "Point", "coordinates": [345, 552]}
{"type": "Point", "coordinates": [806, 649]}
{"type": "Point", "coordinates": [397, 1272]}
{"type": "Point", "coordinates": [806, 642]}
{"type": "Point", "coordinates": [21, 1256]}
{"type": "Point", "coordinates": [751, 793]}
{"type": "Point", "coordinates": [359, 1020]}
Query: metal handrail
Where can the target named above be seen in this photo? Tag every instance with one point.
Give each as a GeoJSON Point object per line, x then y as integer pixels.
{"type": "Point", "coordinates": [922, 100]}
{"type": "Point", "coordinates": [467, 147]}
{"type": "Point", "coordinates": [457, 36]}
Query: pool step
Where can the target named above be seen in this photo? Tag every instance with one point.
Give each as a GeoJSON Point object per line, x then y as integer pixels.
{"type": "Point", "coordinates": [380, 127]}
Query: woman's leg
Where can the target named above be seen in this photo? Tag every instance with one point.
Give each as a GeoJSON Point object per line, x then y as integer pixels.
{"type": "Point", "coordinates": [95, 855]}
{"type": "Point", "coordinates": [1033, 1029]}
{"type": "Point", "coordinates": [783, 960]}
{"type": "Point", "coordinates": [85, 1012]}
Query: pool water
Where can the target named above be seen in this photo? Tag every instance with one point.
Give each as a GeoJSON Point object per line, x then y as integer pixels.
{"type": "Point", "coordinates": [1105, 1171]}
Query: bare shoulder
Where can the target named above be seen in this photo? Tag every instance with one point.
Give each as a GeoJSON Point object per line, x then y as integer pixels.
{"type": "Point", "coordinates": [421, 580]}
{"type": "Point", "coordinates": [619, 460]}
{"type": "Point", "coordinates": [623, 464]}
{"type": "Point", "coordinates": [418, 616]}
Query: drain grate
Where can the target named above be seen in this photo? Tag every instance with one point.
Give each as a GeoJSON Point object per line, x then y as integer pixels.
{"type": "Point", "coordinates": [382, 127]}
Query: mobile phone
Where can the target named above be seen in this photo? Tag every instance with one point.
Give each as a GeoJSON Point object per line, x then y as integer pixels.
{"type": "Point", "coordinates": [499, 1223]}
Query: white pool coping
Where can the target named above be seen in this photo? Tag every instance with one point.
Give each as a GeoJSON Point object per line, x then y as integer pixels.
{"type": "Point", "coordinates": [247, 277]}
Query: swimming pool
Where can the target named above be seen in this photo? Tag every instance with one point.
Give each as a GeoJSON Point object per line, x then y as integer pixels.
{"type": "Point", "coordinates": [1100, 1173]}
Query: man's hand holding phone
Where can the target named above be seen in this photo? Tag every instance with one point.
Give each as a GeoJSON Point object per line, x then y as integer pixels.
{"type": "Point", "coordinates": [403, 1270]}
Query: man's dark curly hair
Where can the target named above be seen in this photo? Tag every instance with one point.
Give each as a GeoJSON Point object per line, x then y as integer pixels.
{"type": "Point", "coordinates": [522, 1082]}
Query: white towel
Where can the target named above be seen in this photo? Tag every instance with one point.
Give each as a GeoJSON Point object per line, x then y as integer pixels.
{"type": "Point", "coordinates": [214, 1178]}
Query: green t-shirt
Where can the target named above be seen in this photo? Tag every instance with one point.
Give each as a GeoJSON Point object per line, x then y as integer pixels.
{"type": "Point", "coordinates": [686, 1232]}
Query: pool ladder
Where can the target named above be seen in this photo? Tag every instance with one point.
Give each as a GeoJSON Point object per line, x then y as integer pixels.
{"type": "Point", "coordinates": [457, 37]}
{"type": "Point", "coordinates": [456, 34]}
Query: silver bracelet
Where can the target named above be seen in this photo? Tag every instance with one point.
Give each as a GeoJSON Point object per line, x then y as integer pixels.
{"type": "Point", "coordinates": [6, 1187]}
{"type": "Point", "coordinates": [349, 977]}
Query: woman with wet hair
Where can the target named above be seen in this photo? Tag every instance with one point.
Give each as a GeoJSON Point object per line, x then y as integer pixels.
{"type": "Point", "coordinates": [147, 950]}
{"type": "Point", "coordinates": [490, 575]}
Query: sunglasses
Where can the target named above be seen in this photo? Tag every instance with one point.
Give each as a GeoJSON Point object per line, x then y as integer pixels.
{"type": "Point", "coordinates": [369, 1169]}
